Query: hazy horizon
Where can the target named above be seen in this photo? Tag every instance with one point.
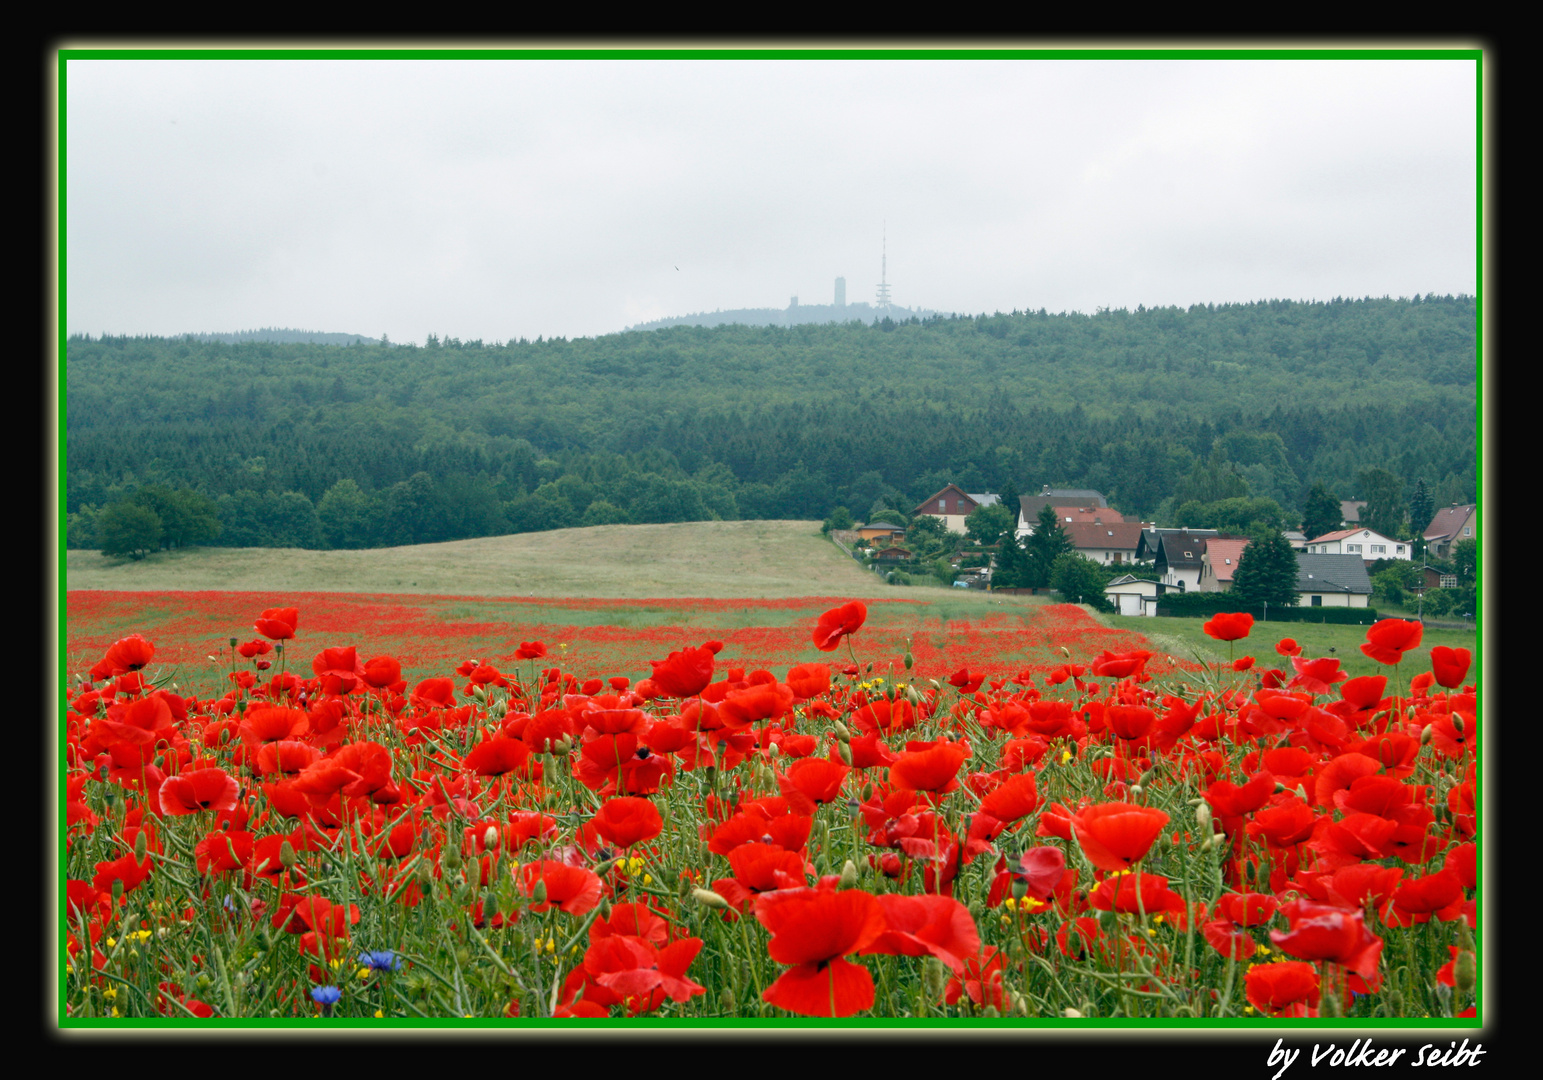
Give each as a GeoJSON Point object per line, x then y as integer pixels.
{"type": "Point", "coordinates": [498, 200]}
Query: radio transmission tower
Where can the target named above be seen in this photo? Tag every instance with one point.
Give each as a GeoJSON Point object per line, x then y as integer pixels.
{"type": "Point", "coordinates": [883, 304]}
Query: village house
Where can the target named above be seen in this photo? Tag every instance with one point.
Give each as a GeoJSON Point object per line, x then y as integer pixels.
{"type": "Point", "coordinates": [1136, 596]}
{"type": "Point", "coordinates": [1333, 581]}
{"type": "Point", "coordinates": [1105, 542]}
{"type": "Point", "coordinates": [1175, 554]}
{"type": "Point", "coordinates": [879, 530]}
{"type": "Point", "coordinates": [1450, 525]}
{"type": "Point", "coordinates": [1371, 546]}
{"type": "Point", "coordinates": [1218, 562]}
{"type": "Point", "coordinates": [1350, 512]}
{"type": "Point", "coordinates": [952, 505]}
{"type": "Point", "coordinates": [1076, 504]}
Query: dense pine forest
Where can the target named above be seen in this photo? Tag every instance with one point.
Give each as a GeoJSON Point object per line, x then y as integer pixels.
{"type": "Point", "coordinates": [263, 443]}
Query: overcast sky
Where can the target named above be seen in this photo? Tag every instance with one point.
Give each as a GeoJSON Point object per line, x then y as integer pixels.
{"type": "Point", "coordinates": [495, 199]}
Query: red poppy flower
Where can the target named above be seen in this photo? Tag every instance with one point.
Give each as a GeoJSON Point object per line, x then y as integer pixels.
{"type": "Point", "coordinates": [1325, 932]}
{"type": "Point", "coordinates": [1015, 799]}
{"type": "Point", "coordinates": [278, 623]}
{"type": "Point", "coordinates": [1317, 676]}
{"type": "Point", "coordinates": [1112, 665]}
{"type": "Point", "coordinates": [1129, 721]}
{"type": "Point", "coordinates": [572, 888]}
{"type": "Point", "coordinates": [382, 671]}
{"type": "Point", "coordinates": [1229, 626]}
{"type": "Point", "coordinates": [1288, 647]}
{"type": "Point", "coordinates": [1115, 836]}
{"type": "Point", "coordinates": [813, 930]}
{"type": "Point", "coordinates": [199, 789]}
{"type": "Point", "coordinates": [627, 820]}
{"type": "Point", "coordinates": [965, 682]}
{"type": "Point", "coordinates": [530, 650]}
{"type": "Point", "coordinates": [683, 674]}
{"type": "Point", "coordinates": [128, 654]}
{"type": "Point", "coordinates": [1450, 665]}
{"type": "Point", "coordinates": [919, 925]}
{"type": "Point", "coordinates": [811, 780]}
{"type": "Point", "coordinates": [837, 623]}
{"type": "Point", "coordinates": [496, 756]}
{"type": "Point", "coordinates": [808, 680]}
{"type": "Point", "coordinates": [933, 769]}
{"type": "Point", "coordinates": [1285, 988]}
{"type": "Point", "coordinates": [1389, 639]}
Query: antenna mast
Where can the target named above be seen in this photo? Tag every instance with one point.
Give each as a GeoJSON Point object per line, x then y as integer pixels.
{"type": "Point", "coordinates": [883, 304]}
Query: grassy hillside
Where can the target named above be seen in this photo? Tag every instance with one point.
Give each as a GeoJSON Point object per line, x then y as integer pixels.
{"type": "Point", "coordinates": [705, 558]}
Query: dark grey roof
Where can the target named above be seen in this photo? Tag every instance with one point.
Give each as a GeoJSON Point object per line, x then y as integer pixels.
{"type": "Point", "coordinates": [1332, 574]}
{"type": "Point", "coordinates": [1172, 544]}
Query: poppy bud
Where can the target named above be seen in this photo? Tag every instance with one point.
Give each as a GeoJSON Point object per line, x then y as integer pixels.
{"type": "Point", "coordinates": [479, 694]}
{"type": "Point", "coordinates": [1071, 1014]}
{"type": "Point", "coordinates": [490, 905]}
{"type": "Point", "coordinates": [1020, 888]}
{"type": "Point", "coordinates": [287, 857]}
{"type": "Point", "coordinates": [726, 999]}
{"type": "Point", "coordinates": [1203, 818]}
{"type": "Point", "coordinates": [141, 845]}
{"type": "Point", "coordinates": [990, 1012]}
{"type": "Point", "coordinates": [1301, 792]}
{"type": "Point", "coordinates": [117, 889]}
{"type": "Point", "coordinates": [842, 732]}
{"type": "Point", "coordinates": [604, 868]}
{"type": "Point", "coordinates": [934, 976]}
{"type": "Point", "coordinates": [1465, 973]}
{"type": "Point", "coordinates": [708, 898]}
{"type": "Point", "coordinates": [232, 643]}
{"type": "Point", "coordinates": [912, 696]}
{"type": "Point", "coordinates": [870, 668]}
{"type": "Point", "coordinates": [1464, 935]}
{"type": "Point", "coordinates": [910, 661]}
{"type": "Point", "coordinates": [1395, 1003]}
{"type": "Point", "coordinates": [867, 791]}
{"type": "Point", "coordinates": [773, 750]}
{"type": "Point", "coordinates": [1457, 722]}
{"type": "Point", "coordinates": [451, 860]}
{"type": "Point", "coordinates": [848, 875]}
{"type": "Point", "coordinates": [538, 894]}
{"type": "Point", "coordinates": [1136, 790]}
{"type": "Point", "coordinates": [425, 873]}
{"type": "Point", "coordinates": [845, 750]}
{"type": "Point", "coordinates": [490, 838]}
{"type": "Point", "coordinates": [1425, 735]}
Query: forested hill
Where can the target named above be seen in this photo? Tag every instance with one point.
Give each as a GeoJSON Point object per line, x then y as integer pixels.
{"type": "Point", "coordinates": [461, 439]}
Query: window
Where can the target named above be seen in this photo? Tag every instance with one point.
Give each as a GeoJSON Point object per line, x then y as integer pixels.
{"type": "Point", "coordinates": [1379, 549]}
{"type": "Point", "coordinates": [1449, 581]}
{"type": "Point", "coordinates": [1467, 530]}
{"type": "Point", "coordinates": [1317, 601]}
{"type": "Point", "coordinates": [1353, 548]}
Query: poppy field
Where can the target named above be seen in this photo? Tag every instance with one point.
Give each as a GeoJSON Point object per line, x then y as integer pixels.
{"type": "Point", "coordinates": [336, 810]}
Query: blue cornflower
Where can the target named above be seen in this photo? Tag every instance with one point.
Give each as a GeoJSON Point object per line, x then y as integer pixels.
{"type": "Point", "coordinates": [385, 960]}
{"type": "Point", "coordinates": [326, 997]}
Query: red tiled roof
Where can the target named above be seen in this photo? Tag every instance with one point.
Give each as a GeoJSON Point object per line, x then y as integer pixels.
{"type": "Point", "coordinates": [1218, 551]}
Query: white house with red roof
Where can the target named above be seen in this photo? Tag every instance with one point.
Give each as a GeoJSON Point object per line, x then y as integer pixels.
{"type": "Point", "coordinates": [1371, 546]}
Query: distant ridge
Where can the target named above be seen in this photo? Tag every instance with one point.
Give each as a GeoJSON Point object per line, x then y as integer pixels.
{"type": "Point", "coordinates": [287, 337]}
{"type": "Point", "coordinates": [793, 315]}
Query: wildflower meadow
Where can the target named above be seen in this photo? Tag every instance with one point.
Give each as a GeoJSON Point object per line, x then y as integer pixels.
{"type": "Point", "coordinates": [1039, 822]}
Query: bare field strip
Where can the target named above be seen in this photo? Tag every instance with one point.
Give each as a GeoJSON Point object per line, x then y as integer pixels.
{"type": "Point", "coordinates": [709, 558]}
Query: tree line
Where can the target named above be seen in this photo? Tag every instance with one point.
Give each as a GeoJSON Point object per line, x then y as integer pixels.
{"type": "Point", "coordinates": [372, 445]}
